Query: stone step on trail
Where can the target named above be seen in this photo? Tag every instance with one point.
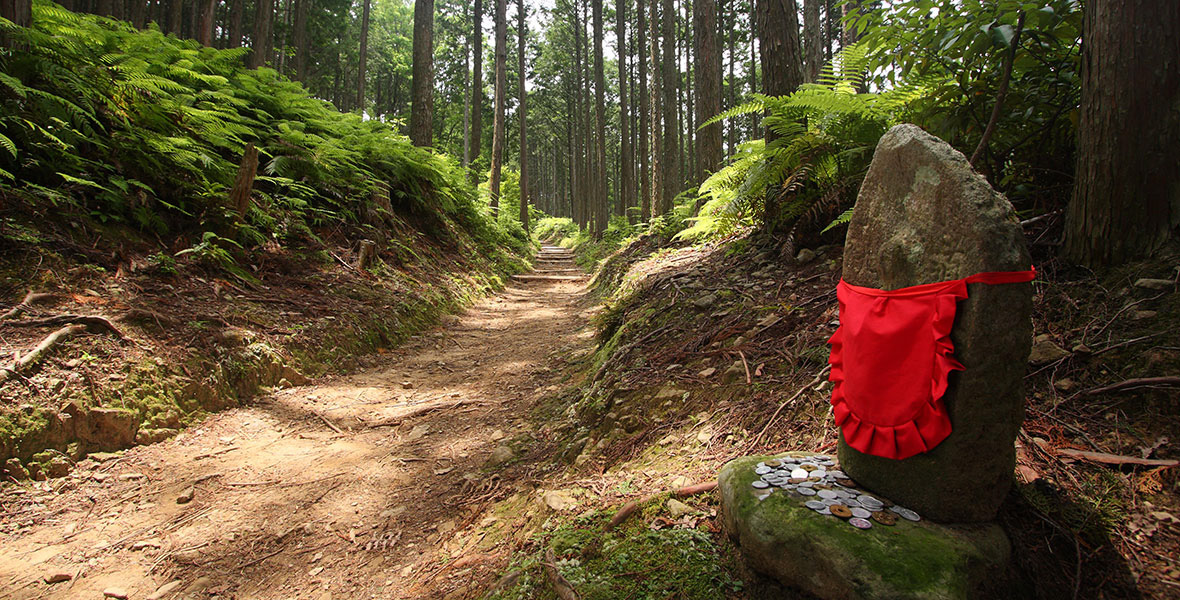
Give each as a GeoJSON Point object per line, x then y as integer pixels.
{"type": "Point", "coordinates": [552, 264]}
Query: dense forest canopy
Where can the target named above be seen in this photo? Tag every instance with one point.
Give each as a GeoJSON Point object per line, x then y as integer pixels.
{"type": "Point", "coordinates": [624, 97]}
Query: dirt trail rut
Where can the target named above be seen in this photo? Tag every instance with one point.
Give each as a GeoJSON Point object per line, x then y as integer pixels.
{"type": "Point", "coordinates": [362, 486]}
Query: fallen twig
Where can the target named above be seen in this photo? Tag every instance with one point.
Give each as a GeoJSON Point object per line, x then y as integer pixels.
{"type": "Point", "coordinates": [692, 490]}
{"type": "Point", "coordinates": [330, 424]}
{"type": "Point", "coordinates": [819, 376]}
{"type": "Point", "coordinates": [1115, 459]}
{"type": "Point", "coordinates": [623, 514]}
{"type": "Point", "coordinates": [561, 586]}
{"type": "Point", "coordinates": [1133, 383]}
{"type": "Point", "coordinates": [215, 453]}
{"type": "Point", "coordinates": [93, 322]}
{"type": "Point", "coordinates": [745, 364]}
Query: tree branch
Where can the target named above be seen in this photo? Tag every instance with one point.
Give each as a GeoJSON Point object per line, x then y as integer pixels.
{"type": "Point", "coordinates": [1004, 80]}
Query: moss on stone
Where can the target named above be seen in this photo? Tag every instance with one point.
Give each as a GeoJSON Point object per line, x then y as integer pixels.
{"type": "Point", "coordinates": [916, 560]}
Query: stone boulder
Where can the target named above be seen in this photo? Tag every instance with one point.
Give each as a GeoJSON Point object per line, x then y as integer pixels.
{"type": "Point", "coordinates": [828, 558]}
{"type": "Point", "coordinates": [923, 216]}
{"type": "Point", "coordinates": [108, 429]}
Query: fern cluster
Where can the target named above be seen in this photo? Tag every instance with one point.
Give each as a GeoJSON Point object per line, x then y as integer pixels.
{"type": "Point", "coordinates": [825, 132]}
{"type": "Point", "coordinates": [147, 130]}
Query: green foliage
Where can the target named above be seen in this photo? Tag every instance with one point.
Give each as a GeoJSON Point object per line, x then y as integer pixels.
{"type": "Point", "coordinates": [959, 50]}
{"type": "Point", "coordinates": [140, 129]}
{"type": "Point", "coordinates": [826, 133]}
{"type": "Point", "coordinates": [555, 228]}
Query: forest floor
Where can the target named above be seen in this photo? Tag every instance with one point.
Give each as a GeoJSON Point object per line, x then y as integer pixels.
{"type": "Point", "coordinates": [367, 485]}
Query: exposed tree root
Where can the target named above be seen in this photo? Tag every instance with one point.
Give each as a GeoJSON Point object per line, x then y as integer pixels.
{"type": "Point", "coordinates": [30, 299]}
{"type": "Point", "coordinates": [1134, 383]}
{"type": "Point", "coordinates": [417, 412]}
{"type": "Point", "coordinates": [46, 344]}
{"type": "Point", "coordinates": [94, 323]}
{"type": "Point", "coordinates": [561, 586]}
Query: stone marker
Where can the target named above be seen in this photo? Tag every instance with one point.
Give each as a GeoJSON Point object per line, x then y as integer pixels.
{"type": "Point", "coordinates": [923, 216]}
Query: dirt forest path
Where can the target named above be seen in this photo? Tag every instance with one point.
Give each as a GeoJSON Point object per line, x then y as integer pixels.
{"type": "Point", "coordinates": [362, 486]}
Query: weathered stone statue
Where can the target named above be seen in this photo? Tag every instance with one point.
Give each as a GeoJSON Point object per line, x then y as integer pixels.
{"type": "Point", "coordinates": [924, 216]}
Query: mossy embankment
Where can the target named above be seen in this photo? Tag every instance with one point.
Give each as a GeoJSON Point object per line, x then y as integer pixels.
{"type": "Point", "coordinates": [235, 232]}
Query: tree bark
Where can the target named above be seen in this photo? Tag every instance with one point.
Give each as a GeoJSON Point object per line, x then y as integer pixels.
{"type": "Point", "coordinates": [522, 34]}
{"type": "Point", "coordinates": [671, 155]}
{"type": "Point", "coordinates": [600, 197]}
{"type": "Point", "coordinates": [364, 54]}
{"type": "Point", "coordinates": [1126, 197]}
{"type": "Point", "coordinates": [644, 119]}
{"type": "Point", "coordinates": [236, 12]}
{"type": "Point", "coordinates": [239, 198]}
{"type": "Point", "coordinates": [708, 86]}
{"type": "Point", "coordinates": [302, 46]}
{"type": "Point", "coordinates": [205, 27]}
{"type": "Point", "coordinates": [20, 12]}
{"type": "Point", "coordinates": [498, 119]}
{"type": "Point", "coordinates": [626, 159]}
{"type": "Point", "coordinates": [175, 16]}
{"type": "Point", "coordinates": [473, 147]}
{"type": "Point", "coordinates": [260, 44]}
{"type": "Point", "coordinates": [812, 41]}
{"type": "Point", "coordinates": [778, 45]}
{"type": "Point", "coordinates": [422, 82]}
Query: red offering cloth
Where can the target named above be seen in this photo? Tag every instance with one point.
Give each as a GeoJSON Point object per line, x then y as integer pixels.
{"type": "Point", "coordinates": [891, 357]}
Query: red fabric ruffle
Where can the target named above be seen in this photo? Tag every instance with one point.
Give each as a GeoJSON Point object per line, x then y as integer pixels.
{"type": "Point", "coordinates": [891, 360]}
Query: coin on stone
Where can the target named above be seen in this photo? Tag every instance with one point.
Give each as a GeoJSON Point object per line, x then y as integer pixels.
{"type": "Point", "coordinates": [815, 504]}
{"type": "Point", "coordinates": [760, 485]}
{"type": "Point", "coordinates": [885, 517]}
{"type": "Point", "coordinates": [808, 467]}
{"type": "Point", "coordinates": [906, 513]}
{"type": "Point", "coordinates": [860, 523]}
{"type": "Point", "coordinates": [869, 501]}
{"type": "Point", "coordinates": [840, 511]}
{"type": "Point", "coordinates": [799, 474]}
{"type": "Point", "coordinates": [760, 465]}
{"type": "Point", "coordinates": [837, 474]}
{"type": "Point", "coordinates": [805, 491]}
{"type": "Point", "coordinates": [763, 470]}
{"type": "Point", "coordinates": [860, 512]}
{"type": "Point", "coordinates": [826, 494]}
{"type": "Point", "coordinates": [773, 463]}
{"type": "Point", "coordinates": [806, 484]}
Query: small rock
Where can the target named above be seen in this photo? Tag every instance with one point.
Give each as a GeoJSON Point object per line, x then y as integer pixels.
{"type": "Point", "coordinates": [498, 435]}
{"type": "Point", "coordinates": [805, 256]}
{"type": "Point", "coordinates": [706, 373]}
{"type": "Point", "coordinates": [143, 544]}
{"type": "Point", "coordinates": [1144, 314]}
{"type": "Point", "coordinates": [14, 469]}
{"type": "Point", "coordinates": [58, 577]}
{"type": "Point", "coordinates": [1155, 284]}
{"type": "Point", "coordinates": [501, 455]}
{"type": "Point", "coordinates": [56, 467]}
{"type": "Point", "coordinates": [116, 593]}
{"type": "Point", "coordinates": [559, 500]}
{"type": "Point", "coordinates": [131, 476]}
{"type": "Point", "coordinates": [417, 433]}
{"type": "Point", "coordinates": [1081, 348]}
{"type": "Point", "coordinates": [733, 374]}
{"type": "Point", "coordinates": [1065, 385]}
{"type": "Point", "coordinates": [1045, 351]}
{"type": "Point", "coordinates": [705, 302]}
{"type": "Point", "coordinates": [407, 385]}
{"type": "Point", "coordinates": [678, 508]}
{"type": "Point", "coordinates": [186, 496]}
{"type": "Point", "coordinates": [152, 436]}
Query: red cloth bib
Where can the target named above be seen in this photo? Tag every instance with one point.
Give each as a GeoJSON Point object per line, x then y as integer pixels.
{"type": "Point", "coordinates": [891, 357]}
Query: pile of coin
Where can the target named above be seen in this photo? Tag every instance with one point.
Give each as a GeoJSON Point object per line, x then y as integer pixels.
{"type": "Point", "coordinates": [827, 490]}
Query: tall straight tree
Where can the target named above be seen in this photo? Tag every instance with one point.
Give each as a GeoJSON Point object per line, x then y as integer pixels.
{"type": "Point", "coordinates": [260, 42]}
{"type": "Point", "coordinates": [658, 159]}
{"type": "Point", "coordinates": [644, 118]}
{"type": "Point", "coordinates": [205, 26]}
{"type": "Point", "coordinates": [473, 144]}
{"type": "Point", "coordinates": [237, 11]}
{"type": "Point", "coordinates": [1126, 196]}
{"type": "Point", "coordinates": [778, 48]}
{"type": "Point", "coordinates": [522, 34]}
{"type": "Point", "coordinates": [812, 41]}
{"type": "Point", "coordinates": [671, 154]}
{"type": "Point", "coordinates": [498, 118]}
{"type": "Point", "coordinates": [708, 87]}
{"type": "Point", "coordinates": [364, 56]}
{"type": "Point", "coordinates": [422, 82]}
{"type": "Point", "coordinates": [302, 46]}
{"type": "Point", "coordinates": [626, 185]}
{"type": "Point", "coordinates": [600, 200]}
